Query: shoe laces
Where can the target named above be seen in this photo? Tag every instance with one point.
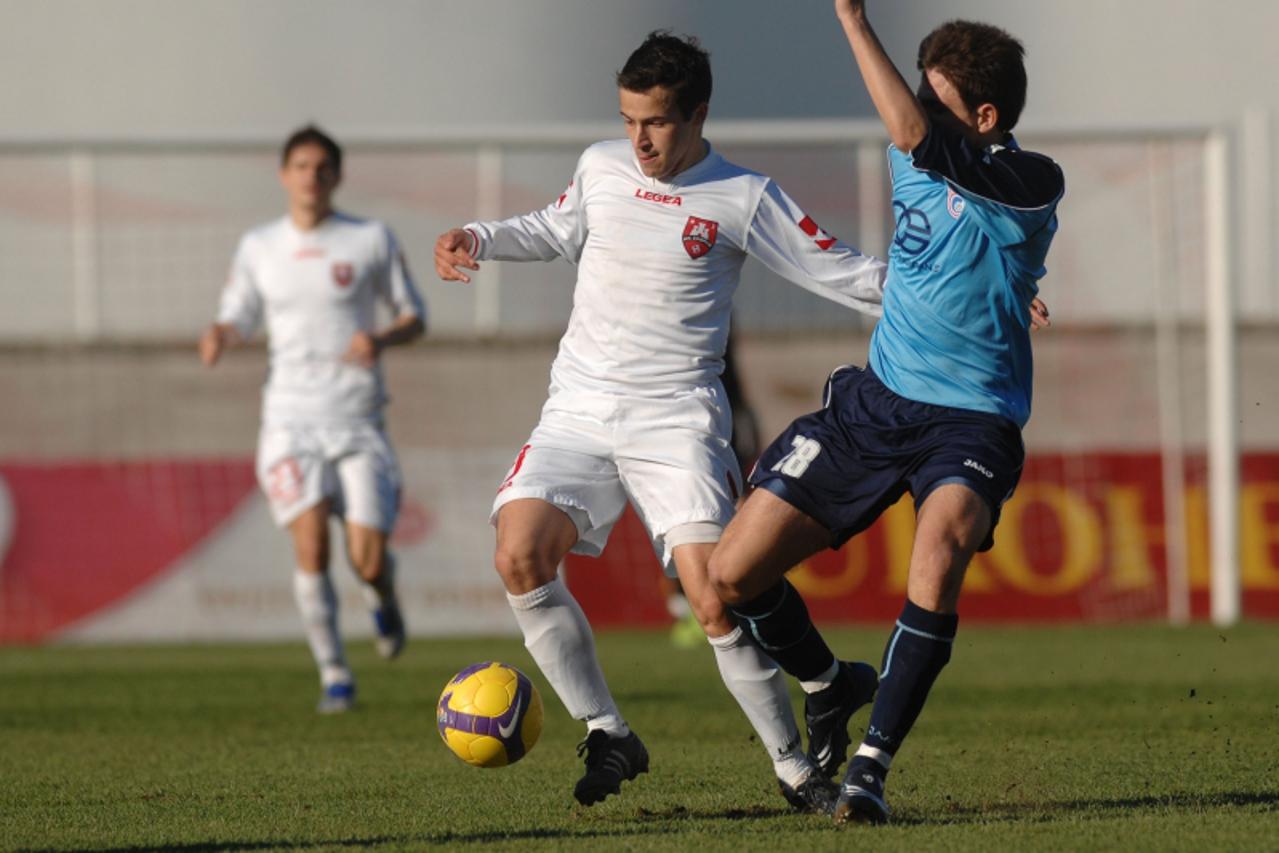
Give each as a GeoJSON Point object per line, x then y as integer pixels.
{"type": "Point", "coordinates": [595, 747]}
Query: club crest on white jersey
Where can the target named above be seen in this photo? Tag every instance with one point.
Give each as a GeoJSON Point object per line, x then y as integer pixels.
{"type": "Point", "coordinates": [699, 236]}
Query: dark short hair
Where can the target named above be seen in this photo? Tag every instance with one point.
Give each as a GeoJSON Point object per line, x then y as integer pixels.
{"type": "Point", "coordinates": [984, 63]}
{"type": "Point", "coordinates": [312, 135]}
{"type": "Point", "coordinates": [679, 65]}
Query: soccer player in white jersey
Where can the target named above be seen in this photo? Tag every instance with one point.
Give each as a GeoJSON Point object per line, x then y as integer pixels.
{"type": "Point", "coordinates": [659, 226]}
{"type": "Point", "coordinates": [314, 277]}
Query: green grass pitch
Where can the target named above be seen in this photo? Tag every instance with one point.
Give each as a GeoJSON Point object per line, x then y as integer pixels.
{"type": "Point", "coordinates": [1124, 738]}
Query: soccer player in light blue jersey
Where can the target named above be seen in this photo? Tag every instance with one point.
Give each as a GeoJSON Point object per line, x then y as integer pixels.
{"type": "Point", "coordinates": [939, 410]}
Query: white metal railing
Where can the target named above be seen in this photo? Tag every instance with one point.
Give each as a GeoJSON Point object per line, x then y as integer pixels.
{"type": "Point", "coordinates": [491, 150]}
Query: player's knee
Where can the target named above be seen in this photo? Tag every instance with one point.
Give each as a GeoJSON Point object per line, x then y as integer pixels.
{"type": "Point", "coordinates": [310, 535]}
{"type": "Point", "coordinates": [717, 626]}
{"type": "Point", "coordinates": [711, 613]}
{"type": "Point", "coordinates": [524, 569]}
{"type": "Point", "coordinates": [956, 526]}
{"type": "Point", "coordinates": [725, 580]}
{"type": "Point", "coordinates": [957, 543]}
{"type": "Point", "coordinates": [732, 576]}
{"type": "Point", "coordinates": [368, 564]}
{"type": "Point", "coordinates": [366, 551]}
{"type": "Point", "coordinates": [311, 555]}
{"type": "Point", "coordinates": [936, 580]}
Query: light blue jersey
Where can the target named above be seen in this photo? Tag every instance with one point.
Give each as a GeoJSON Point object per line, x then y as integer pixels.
{"type": "Point", "coordinates": [973, 229]}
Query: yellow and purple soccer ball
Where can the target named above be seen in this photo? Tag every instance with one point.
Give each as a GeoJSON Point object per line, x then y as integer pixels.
{"type": "Point", "coordinates": [489, 714]}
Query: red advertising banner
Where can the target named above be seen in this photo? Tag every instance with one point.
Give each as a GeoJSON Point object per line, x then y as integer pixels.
{"type": "Point", "coordinates": [1082, 539]}
{"type": "Point", "coordinates": [185, 550]}
{"type": "Point", "coordinates": [77, 538]}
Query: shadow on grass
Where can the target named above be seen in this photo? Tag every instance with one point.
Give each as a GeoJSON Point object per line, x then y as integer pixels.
{"type": "Point", "coordinates": [682, 813]}
{"type": "Point", "coordinates": [210, 846]}
{"type": "Point", "coordinates": [645, 822]}
{"type": "Point", "coordinates": [1037, 812]}
{"type": "Point", "coordinates": [656, 823]}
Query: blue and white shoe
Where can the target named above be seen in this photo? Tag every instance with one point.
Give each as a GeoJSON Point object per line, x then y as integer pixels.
{"type": "Point", "coordinates": [390, 629]}
{"type": "Point", "coordinates": [384, 607]}
{"type": "Point", "coordinates": [861, 798]}
{"type": "Point", "coordinates": [337, 698]}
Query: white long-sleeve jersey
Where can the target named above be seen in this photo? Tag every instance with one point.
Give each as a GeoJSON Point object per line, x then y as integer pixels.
{"type": "Point", "coordinates": [658, 264]}
{"type": "Point", "coordinates": [314, 290]}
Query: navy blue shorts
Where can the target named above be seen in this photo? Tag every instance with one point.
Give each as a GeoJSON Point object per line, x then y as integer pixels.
{"type": "Point", "coordinates": [848, 462]}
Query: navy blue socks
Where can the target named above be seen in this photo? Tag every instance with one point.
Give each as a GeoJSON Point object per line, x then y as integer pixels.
{"type": "Point", "coordinates": [917, 650]}
{"type": "Point", "coordinates": [779, 622]}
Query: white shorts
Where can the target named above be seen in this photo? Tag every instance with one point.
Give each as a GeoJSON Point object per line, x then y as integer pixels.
{"type": "Point", "coordinates": [670, 457]}
{"type": "Point", "coordinates": [354, 467]}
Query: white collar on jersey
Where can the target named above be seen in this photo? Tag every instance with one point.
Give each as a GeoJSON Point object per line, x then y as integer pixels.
{"type": "Point", "coordinates": [690, 174]}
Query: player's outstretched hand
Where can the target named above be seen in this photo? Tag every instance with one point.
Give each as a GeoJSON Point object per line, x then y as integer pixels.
{"type": "Point", "coordinates": [363, 350]}
{"type": "Point", "coordinates": [453, 254]}
{"type": "Point", "coordinates": [1039, 314]}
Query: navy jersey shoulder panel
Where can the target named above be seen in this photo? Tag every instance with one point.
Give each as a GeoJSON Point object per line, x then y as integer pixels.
{"type": "Point", "coordinates": [1003, 174]}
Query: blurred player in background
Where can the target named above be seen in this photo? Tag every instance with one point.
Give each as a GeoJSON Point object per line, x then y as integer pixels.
{"type": "Point", "coordinates": [940, 408]}
{"type": "Point", "coordinates": [314, 277]}
{"type": "Point", "coordinates": [659, 226]}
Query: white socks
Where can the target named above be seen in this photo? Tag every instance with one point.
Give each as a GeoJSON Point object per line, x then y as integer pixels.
{"type": "Point", "coordinates": [760, 689]}
{"type": "Point", "coordinates": [558, 636]}
{"type": "Point", "coordinates": [318, 605]}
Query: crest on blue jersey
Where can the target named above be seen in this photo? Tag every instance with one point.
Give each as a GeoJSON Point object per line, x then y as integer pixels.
{"type": "Point", "coordinates": [954, 203]}
{"type": "Point", "coordinates": [914, 232]}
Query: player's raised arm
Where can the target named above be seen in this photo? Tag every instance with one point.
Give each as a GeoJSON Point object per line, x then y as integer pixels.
{"type": "Point", "coordinates": [239, 309]}
{"type": "Point", "coordinates": [791, 244]}
{"type": "Point", "coordinates": [900, 110]}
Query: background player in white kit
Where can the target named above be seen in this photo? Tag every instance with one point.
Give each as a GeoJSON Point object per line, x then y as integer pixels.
{"type": "Point", "coordinates": [659, 226]}
{"type": "Point", "coordinates": [314, 277]}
